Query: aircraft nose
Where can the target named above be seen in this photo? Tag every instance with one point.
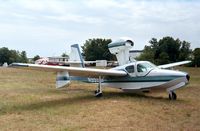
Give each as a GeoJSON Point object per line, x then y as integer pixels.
{"type": "Point", "coordinates": [188, 77]}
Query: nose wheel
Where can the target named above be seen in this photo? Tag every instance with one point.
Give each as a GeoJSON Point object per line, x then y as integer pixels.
{"type": "Point", "coordinates": [172, 96]}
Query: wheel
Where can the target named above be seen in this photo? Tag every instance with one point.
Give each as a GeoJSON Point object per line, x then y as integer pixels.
{"type": "Point", "coordinates": [96, 91]}
{"type": "Point", "coordinates": [172, 96]}
{"type": "Point", "coordinates": [98, 94]}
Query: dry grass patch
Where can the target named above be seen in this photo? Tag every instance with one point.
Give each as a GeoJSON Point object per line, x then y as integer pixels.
{"type": "Point", "coordinates": [29, 101]}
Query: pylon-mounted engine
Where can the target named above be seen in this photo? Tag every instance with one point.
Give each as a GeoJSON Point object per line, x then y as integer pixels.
{"type": "Point", "coordinates": [121, 48]}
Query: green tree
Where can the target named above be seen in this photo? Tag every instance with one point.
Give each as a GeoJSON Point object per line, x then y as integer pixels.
{"type": "Point", "coordinates": [23, 56]}
{"type": "Point", "coordinates": [185, 51]}
{"type": "Point", "coordinates": [148, 54]}
{"type": "Point", "coordinates": [154, 43]}
{"type": "Point", "coordinates": [166, 50]}
{"type": "Point", "coordinates": [4, 55]}
{"type": "Point", "coordinates": [97, 49]}
{"type": "Point", "coordinates": [36, 57]}
{"type": "Point", "coordinates": [64, 55]}
{"type": "Point", "coordinates": [170, 47]}
{"type": "Point", "coordinates": [14, 56]}
{"type": "Point", "coordinates": [163, 58]}
{"type": "Point", "coordinates": [11, 56]}
{"type": "Point", "coordinates": [196, 59]}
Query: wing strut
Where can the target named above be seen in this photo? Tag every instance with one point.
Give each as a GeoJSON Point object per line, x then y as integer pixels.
{"type": "Point", "coordinates": [98, 92]}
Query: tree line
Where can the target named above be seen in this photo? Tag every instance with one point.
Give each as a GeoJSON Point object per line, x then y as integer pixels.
{"type": "Point", "coordinates": [11, 56]}
{"type": "Point", "coordinates": [168, 50]}
{"type": "Point", "coordinates": [163, 51]}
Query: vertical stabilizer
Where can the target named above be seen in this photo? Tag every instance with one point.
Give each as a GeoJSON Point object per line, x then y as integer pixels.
{"type": "Point", "coordinates": [75, 57]}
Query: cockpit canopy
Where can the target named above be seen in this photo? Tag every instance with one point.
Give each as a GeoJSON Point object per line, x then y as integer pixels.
{"type": "Point", "coordinates": [140, 67]}
{"type": "Point", "coordinates": [145, 66]}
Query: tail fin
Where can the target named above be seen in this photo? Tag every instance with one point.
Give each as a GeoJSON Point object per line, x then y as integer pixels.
{"type": "Point", "coordinates": [75, 57]}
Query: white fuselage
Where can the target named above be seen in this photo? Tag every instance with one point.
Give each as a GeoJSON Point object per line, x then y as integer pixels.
{"type": "Point", "coordinates": [150, 85]}
{"type": "Point", "coordinates": [142, 76]}
{"type": "Point", "coordinates": [151, 78]}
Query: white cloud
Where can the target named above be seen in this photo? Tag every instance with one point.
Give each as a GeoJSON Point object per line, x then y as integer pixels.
{"type": "Point", "coordinates": [76, 18]}
{"type": "Point", "coordinates": [76, 21]}
{"type": "Point", "coordinates": [104, 4]}
{"type": "Point", "coordinates": [54, 6]}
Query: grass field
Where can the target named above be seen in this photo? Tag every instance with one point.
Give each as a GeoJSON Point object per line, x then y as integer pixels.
{"type": "Point", "coordinates": [29, 101]}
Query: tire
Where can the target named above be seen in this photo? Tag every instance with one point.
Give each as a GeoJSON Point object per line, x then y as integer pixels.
{"type": "Point", "coordinates": [98, 94]}
{"type": "Point", "coordinates": [174, 97]}
{"type": "Point", "coordinates": [170, 97]}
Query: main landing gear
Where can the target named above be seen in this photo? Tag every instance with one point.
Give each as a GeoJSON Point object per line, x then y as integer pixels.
{"type": "Point", "coordinates": [172, 95]}
{"type": "Point", "coordinates": [98, 92]}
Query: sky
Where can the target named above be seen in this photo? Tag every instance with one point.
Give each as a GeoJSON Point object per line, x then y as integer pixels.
{"type": "Point", "coordinates": [49, 27]}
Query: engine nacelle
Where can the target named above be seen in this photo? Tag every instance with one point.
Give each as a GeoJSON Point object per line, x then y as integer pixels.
{"type": "Point", "coordinates": [121, 48]}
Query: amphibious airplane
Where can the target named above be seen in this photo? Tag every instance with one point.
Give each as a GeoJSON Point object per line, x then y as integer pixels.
{"type": "Point", "coordinates": [136, 76]}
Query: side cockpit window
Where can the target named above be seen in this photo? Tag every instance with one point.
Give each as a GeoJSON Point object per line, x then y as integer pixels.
{"type": "Point", "coordinates": [141, 68]}
{"type": "Point", "coordinates": [130, 69]}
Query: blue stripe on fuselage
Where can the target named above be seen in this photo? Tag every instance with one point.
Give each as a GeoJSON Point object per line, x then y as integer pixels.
{"type": "Point", "coordinates": [79, 78]}
{"type": "Point", "coordinates": [126, 79]}
{"type": "Point", "coordinates": [142, 79]}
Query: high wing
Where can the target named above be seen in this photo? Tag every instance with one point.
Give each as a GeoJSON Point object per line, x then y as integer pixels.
{"type": "Point", "coordinates": [73, 71]}
{"type": "Point", "coordinates": [173, 64]}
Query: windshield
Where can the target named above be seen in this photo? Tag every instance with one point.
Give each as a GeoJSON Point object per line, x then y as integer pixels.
{"type": "Point", "coordinates": [144, 67]}
{"type": "Point", "coordinates": [130, 69]}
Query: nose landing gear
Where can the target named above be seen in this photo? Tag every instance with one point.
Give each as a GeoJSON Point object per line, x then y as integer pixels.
{"type": "Point", "coordinates": [172, 95]}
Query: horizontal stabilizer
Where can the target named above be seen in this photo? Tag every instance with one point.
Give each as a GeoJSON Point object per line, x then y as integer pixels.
{"type": "Point", "coordinates": [62, 79]}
